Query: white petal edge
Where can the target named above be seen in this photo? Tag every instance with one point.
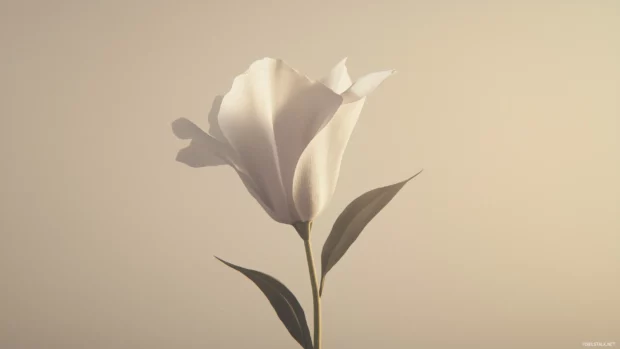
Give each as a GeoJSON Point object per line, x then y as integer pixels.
{"type": "Point", "coordinates": [318, 169]}
{"type": "Point", "coordinates": [214, 126]}
{"type": "Point", "coordinates": [365, 85]}
{"type": "Point", "coordinates": [338, 79]}
{"type": "Point", "coordinates": [258, 195]}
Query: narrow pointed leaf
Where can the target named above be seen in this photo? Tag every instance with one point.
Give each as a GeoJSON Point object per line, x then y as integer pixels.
{"type": "Point", "coordinates": [352, 221]}
{"type": "Point", "coordinates": [283, 302]}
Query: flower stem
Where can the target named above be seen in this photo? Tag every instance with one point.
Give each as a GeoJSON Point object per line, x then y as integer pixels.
{"type": "Point", "coordinates": [315, 295]}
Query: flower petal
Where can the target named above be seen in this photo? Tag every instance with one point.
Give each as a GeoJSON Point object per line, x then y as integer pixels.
{"type": "Point", "coordinates": [269, 116]}
{"type": "Point", "coordinates": [338, 78]}
{"type": "Point", "coordinates": [257, 194]}
{"type": "Point", "coordinates": [318, 169]}
{"type": "Point", "coordinates": [214, 125]}
{"type": "Point", "coordinates": [365, 85]}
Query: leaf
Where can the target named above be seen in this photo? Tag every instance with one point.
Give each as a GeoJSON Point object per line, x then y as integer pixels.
{"type": "Point", "coordinates": [352, 221]}
{"type": "Point", "coordinates": [283, 301]}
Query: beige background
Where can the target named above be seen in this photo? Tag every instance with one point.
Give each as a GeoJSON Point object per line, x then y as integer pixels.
{"type": "Point", "coordinates": [509, 239]}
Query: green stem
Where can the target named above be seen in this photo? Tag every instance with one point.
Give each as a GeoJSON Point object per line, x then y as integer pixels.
{"type": "Point", "coordinates": [315, 295]}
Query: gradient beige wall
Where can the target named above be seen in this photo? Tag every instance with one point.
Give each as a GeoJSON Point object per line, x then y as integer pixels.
{"type": "Point", "coordinates": [509, 239]}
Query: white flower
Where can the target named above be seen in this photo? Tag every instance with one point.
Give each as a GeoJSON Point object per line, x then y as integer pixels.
{"type": "Point", "coordinates": [283, 133]}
